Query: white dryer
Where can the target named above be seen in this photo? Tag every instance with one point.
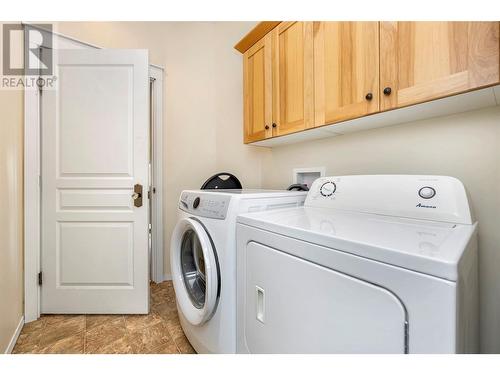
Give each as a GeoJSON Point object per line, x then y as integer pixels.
{"type": "Point", "coordinates": [369, 264]}
{"type": "Point", "coordinates": [203, 260]}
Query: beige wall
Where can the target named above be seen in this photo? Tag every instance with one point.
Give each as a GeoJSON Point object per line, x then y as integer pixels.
{"type": "Point", "coordinates": [11, 224]}
{"type": "Point", "coordinates": [202, 99]}
{"type": "Point", "coordinates": [466, 146]}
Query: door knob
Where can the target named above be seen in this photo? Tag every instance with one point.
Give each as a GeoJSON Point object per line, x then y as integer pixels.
{"type": "Point", "coordinates": [266, 127]}
{"type": "Point", "coordinates": [387, 91]}
{"type": "Point", "coordinates": [369, 96]}
{"type": "Point", "coordinates": [274, 125]}
{"type": "Point", "coordinates": [137, 195]}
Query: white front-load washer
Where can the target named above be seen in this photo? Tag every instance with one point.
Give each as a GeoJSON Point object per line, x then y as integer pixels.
{"type": "Point", "coordinates": [369, 264]}
{"type": "Point", "coordinates": [203, 260]}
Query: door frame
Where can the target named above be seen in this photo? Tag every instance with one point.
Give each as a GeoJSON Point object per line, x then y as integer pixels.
{"type": "Point", "coordinates": [156, 203]}
{"type": "Point", "coordinates": [32, 181]}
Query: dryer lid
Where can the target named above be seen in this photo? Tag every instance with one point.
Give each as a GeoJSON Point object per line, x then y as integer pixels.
{"type": "Point", "coordinates": [424, 246]}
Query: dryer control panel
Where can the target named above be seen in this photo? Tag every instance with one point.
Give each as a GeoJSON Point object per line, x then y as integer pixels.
{"type": "Point", "coordinates": [439, 198]}
{"type": "Point", "coordinates": [205, 205]}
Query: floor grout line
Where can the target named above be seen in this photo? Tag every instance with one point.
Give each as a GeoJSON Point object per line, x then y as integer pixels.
{"type": "Point", "coordinates": [85, 334]}
{"type": "Point", "coordinates": [173, 339]}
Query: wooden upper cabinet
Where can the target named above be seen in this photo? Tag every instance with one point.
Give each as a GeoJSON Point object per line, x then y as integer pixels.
{"type": "Point", "coordinates": [298, 75]}
{"type": "Point", "coordinates": [421, 61]}
{"type": "Point", "coordinates": [258, 90]}
{"type": "Point", "coordinates": [346, 70]}
{"type": "Point", "coordinates": [292, 77]}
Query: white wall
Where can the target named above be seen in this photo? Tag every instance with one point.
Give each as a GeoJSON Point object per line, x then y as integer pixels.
{"type": "Point", "coordinates": [190, 154]}
{"type": "Point", "coordinates": [466, 146]}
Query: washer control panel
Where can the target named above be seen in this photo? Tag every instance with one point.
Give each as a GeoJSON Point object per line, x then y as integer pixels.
{"type": "Point", "coordinates": [205, 205]}
{"type": "Point", "coordinates": [327, 188]}
{"type": "Point", "coordinates": [439, 198]}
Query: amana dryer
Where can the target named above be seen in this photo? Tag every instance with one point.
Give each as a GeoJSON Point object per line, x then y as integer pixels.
{"type": "Point", "coordinates": [369, 264]}
{"type": "Point", "coordinates": [203, 260]}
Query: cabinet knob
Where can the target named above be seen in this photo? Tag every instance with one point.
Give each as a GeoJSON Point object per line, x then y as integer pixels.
{"type": "Point", "coordinates": [387, 91]}
{"type": "Point", "coordinates": [266, 127]}
{"type": "Point", "coordinates": [274, 125]}
{"type": "Point", "coordinates": [369, 96]}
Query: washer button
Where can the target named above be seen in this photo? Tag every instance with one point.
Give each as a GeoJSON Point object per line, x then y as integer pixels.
{"type": "Point", "coordinates": [196, 202]}
{"type": "Point", "coordinates": [427, 192]}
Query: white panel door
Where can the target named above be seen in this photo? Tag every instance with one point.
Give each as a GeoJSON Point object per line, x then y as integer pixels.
{"type": "Point", "coordinates": [94, 150]}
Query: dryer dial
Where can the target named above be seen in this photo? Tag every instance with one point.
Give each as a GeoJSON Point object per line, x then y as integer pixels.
{"type": "Point", "coordinates": [328, 188]}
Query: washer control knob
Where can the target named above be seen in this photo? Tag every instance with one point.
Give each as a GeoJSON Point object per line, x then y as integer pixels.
{"type": "Point", "coordinates": [328, 188]}
{"type": "Point", "coordinates": [427, 192]}
{"type": "Point", "coordinates": [196, 202]}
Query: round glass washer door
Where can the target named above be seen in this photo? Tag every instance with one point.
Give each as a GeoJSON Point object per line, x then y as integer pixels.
{"type": "Point", "coordinates": [195, 271]}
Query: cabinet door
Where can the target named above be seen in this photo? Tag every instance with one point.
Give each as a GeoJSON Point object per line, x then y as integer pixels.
{"type": "Point", "coordinates": [293, 77]}
{"type": "Point", "coordinates": [258, 90]}
{"type": "Point", "coordinates": [421, 61]}
{"type": "Point", "coordinates": [346, 70]}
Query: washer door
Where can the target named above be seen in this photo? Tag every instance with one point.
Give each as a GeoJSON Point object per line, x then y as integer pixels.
{"type": "Point", "coordinates": [195, 271]}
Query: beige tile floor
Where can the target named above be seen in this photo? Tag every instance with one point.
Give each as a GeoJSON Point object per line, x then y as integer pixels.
{"type": "Point", "coordinates": [159, 332]}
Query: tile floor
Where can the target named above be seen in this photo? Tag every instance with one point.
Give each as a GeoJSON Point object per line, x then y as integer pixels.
{"type": "Point", "coordinates": [159, 332]}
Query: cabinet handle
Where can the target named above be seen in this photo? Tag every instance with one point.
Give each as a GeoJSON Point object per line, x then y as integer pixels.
{"type": "Point", "coordinates": [274, 125]}
{"type": "Point", "coordinates": [369, 96]}
{"type": "Point", "coordinates": [387, 91]}
{"type": "Point", "coordinates": [266, 127]}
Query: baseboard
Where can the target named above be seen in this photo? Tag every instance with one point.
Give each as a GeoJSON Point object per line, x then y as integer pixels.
{"type": "Point", "coordinates": [15, 336]}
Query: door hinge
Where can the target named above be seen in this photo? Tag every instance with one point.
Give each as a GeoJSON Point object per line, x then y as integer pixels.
{"type": "Point", "coordinates": [40, 279]}
{"type": "Point", "coordinates": [40, 87]}
{"type": "Point", "coordinates": [407, 337]}
{"type": "Point", "coordinates": [149, 194]}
